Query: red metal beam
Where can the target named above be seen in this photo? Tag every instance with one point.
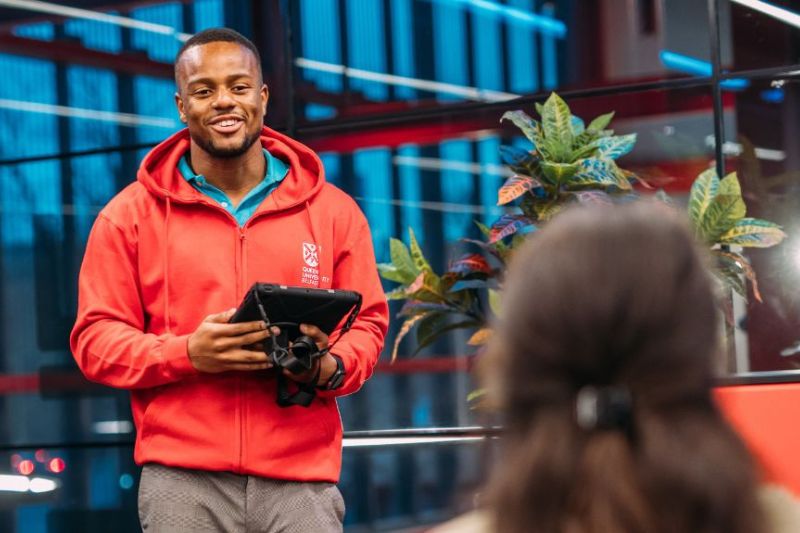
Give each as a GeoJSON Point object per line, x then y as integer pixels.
{"type": "Point", "coordinates": [74, 53]}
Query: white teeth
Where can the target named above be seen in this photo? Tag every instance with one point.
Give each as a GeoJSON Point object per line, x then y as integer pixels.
{"type": "Point", "coordinates": [225, 123]}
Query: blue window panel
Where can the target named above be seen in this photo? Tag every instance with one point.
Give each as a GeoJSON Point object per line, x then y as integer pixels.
{"type": "Point", "coordinates": [319, 111]}
{"type": "Point", "coordinates": [331, 164]}
{"type": "Point", "coordinates": [30, 189]}
{"type": "Point", "coordinates": [523, 75]}
{"type": "Point", "coordinates": [374, 192]}
{"type": "Point", "coordinates": [94, 34]}
{"type": "Point", "coordinates": [403, 45]}
{"type": "Point", "coordinates": [93, 185]}
{"type": "Point", "coordinates": [549, 60]}
{"type": "Point", "coordinates": [486, 51]}
{"type": "Point", "coordinates": [208, 14]}
{"type": "Point", "coordinates": [450, 47]}
{"type": "Point", "coordinates": [366, 45]}
{"type": "Point", "coordinates": [27, 132]}
{"type": "Point", "coordinates": [104, 471]}
{"type": "Point", "coordinates": [93, 89]}
{"type": "Point", "coordinates": [34, 517]}
{"type": "Point", "coordinates": [155, 101]}
{"type": "Point", "coordinates": [320, 41]}
{"type": "Point", "coordinates": [159, 47]}
{"type": "Point", "coordinates": [457, 187]}
{"type": "Point", "coordinates": [491, 177]}
{"type": "Point", "coordinates": [410, 186]}
{"type": "Point", "coordinates": [43, 31]}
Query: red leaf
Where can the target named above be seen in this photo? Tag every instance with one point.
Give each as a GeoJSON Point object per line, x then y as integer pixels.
{"type": "Point", "coordinates": [507, 225]}
{"type": "Point", "coordinates": [514, 187]}
{"type": "Point", "coordinates": [471, 263]}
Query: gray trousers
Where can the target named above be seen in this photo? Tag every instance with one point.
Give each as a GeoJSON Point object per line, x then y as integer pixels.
{"type": "Point", "coordinates": [174, 500]}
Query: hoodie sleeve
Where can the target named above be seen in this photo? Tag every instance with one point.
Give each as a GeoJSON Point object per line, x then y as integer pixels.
{"type": "Point", "coordinates": [360, 347]}
{"type": "Point", "coordinates": [108, 339]}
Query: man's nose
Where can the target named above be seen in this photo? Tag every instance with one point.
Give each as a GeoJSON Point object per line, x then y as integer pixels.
{"type": "Point", "coordinates": [223, 99]}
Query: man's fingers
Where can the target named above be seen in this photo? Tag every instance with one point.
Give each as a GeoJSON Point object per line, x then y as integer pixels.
{"type": "Point", "coordinates": [244, 340]}
{"type": "Point", "coordinates": [220, 318]}
{"type": "Point", "coordinates": [249, 366]}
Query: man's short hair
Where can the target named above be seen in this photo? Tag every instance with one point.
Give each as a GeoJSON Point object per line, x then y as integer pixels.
{"type": "Point", "coordinates": [215, 35]}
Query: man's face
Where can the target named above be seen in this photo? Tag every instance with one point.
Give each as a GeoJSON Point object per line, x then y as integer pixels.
{"type": "Point", "coordinates": [221, 97]}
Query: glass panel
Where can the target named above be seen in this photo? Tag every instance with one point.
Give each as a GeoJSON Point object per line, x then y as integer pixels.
{"type": "Point", "coordinates": [756, 34]}
{"type": "Point", "coordinates": [761, 146]}
{"type": "Point", "coordinates": [362, 57]}
{"type": "Point", "coordinates": [94, 490]}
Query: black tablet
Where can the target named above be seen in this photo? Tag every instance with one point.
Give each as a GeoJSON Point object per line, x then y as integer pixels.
{"type": "Point", "coordinates": [324, 308]}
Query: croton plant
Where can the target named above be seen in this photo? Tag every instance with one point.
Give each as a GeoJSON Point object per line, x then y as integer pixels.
{"type": "Point", "coordinates": [568, 162]}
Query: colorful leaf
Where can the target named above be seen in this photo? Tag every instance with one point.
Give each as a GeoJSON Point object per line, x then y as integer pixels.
{"type": "Point", "coordinates": [595, 172]}
{"type": "Point", "coordinates": [615, 147]}
{"type": "Point", "coordinates": [578, 126]}
{"type": "Point", "coordinates": [507, 225]}
{"type": "Point", "coordinates": [517, 157]}
{"type": "Point", "coordinates": [753, 232]}
{"type": "Point", "coordinates": [480, 337]}
{"type": "Point", "coordinates": [730, 262]}
{"type": "Point", "coordinates": [558, 173]}
{"type": "Point", "coordinates": [465, 284]}
{"type": "Point", "coordinates": [514, 187]}
{"type": "Point", "coordinates": [416, 254]}
{"type": "Point", "coordinates": [432, 329]}
{"type": "Point", "coordinates": [471, 263]}
{"type": "Point", "coordinates": [404, 329]}
{"type": "Point", "coordinates": [557, 121]}
{"type": "Point", "coordinates": [703, 191]}
{"type": "Point", "coordinates": [392, 273]}
{"type": "Point", "coordinates": [530, 128]}
{"type": "Point", "coordinates": [415, 307]}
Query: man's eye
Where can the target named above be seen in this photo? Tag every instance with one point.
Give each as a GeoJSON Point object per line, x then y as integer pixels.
{"type": "Point", "coordinates": [202, 92]}
{"type": "Point", "coordinates": [240, 88]}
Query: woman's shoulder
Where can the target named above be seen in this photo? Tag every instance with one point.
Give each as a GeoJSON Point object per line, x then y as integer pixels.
{"type": "Point", "coordinates": [781, 509]}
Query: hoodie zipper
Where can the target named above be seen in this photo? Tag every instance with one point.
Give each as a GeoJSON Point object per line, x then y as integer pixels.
{"type": "Point", "coordinates": [240, 281]}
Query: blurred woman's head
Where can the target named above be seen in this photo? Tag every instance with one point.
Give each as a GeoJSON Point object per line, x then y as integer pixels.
{"type": "Point", "coordinates": [602, 364]}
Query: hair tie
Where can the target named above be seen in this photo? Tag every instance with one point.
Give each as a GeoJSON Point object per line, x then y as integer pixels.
{"type": "Point", "coordinates": [603, 408]}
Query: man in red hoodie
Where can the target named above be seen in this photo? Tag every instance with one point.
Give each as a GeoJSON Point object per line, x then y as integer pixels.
{"type": "Point", "coordinates": [220, 205]}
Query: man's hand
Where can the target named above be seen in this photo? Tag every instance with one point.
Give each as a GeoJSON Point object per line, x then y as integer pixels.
{"type": "Point", "coordinates": [217, 346]}
{"type": "Point", "coordinates": [328, 364]}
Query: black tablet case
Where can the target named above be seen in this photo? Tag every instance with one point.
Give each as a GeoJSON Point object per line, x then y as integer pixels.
{"type": "Point", "coordinates": [324, 308]}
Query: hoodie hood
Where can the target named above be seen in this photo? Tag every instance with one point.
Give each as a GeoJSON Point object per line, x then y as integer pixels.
{"type": "Point", "coordinates": [159, 175]}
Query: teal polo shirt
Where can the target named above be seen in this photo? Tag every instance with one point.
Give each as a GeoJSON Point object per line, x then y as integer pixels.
{"type": "Point", "coordinates": [275, 171]}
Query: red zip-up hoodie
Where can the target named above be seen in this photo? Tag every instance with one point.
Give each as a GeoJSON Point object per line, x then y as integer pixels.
{"type": "Point", "coordinates": [162, 256]}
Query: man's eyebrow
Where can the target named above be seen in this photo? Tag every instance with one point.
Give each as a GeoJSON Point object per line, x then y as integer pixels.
{"type": "Point", "coordinates": [230, 78]}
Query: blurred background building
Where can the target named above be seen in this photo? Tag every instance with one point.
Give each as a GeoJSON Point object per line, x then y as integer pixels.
{"type": "Point", "coordinates": [402, 99]}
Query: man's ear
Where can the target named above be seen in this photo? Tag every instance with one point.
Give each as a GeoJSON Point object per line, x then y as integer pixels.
{"type": "Point", "coordinates": [264, 99]}
{"type": "Point", "coordinates": [179, 105]}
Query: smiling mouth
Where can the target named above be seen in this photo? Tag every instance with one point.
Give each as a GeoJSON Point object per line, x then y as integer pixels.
{"type": "Point", "coordinates": [229, 125]}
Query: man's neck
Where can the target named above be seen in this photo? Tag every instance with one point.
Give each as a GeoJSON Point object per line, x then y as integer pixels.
{"type": "Point", "coordinates": [234, 176]}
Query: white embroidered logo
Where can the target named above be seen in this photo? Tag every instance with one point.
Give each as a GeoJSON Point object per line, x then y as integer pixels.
{"type": "Point", "coordinates": [310, 254]}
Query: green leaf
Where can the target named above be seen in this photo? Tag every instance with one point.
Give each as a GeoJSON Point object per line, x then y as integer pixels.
{"type": "Point", "coordinates": [401, 259]}
{"type": "Point", "coordinates": [600, 123]}
{"type": "Point", "coordinates": [731, 279]}
{"type": "Point", "coordinates": [558, 173]}
{"type": "Point", "coordinates": [615, 147]}
{"type": "Point", "coordinates": [420, 262]}
{"type": "Point", "coordinates": [530, 128]}
{"type": "Point", "coordinates": [729, 185]}
{"type": "Point", "coordinates": [400, 293]}
{"type": "Point", "coordinates": [391, 272]}
{"type": "Point", "coordinates": [557, 121]}
{"type": "Point", "coordinates": [494, 302]}
{"type": "Point", "coordinates": [753, 232]}
{"type": "Point", "coordinates": [703, 191]}
{"type": "Point", "coordinates": [539, 108]}
{"type": "Point", "coordinates": [721, 216]}
{"type": "Point", "coordinates": [729, 264]}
